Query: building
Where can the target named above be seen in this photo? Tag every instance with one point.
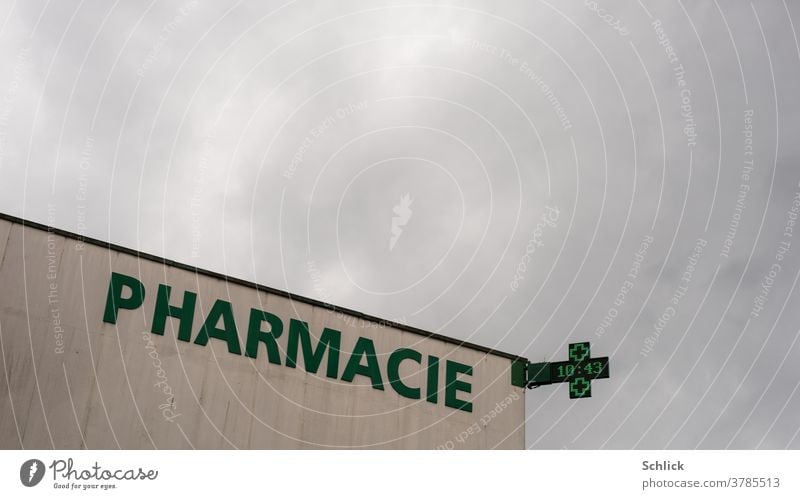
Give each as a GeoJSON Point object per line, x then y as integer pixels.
{"type": "Point", "coordinates": [106, 347]}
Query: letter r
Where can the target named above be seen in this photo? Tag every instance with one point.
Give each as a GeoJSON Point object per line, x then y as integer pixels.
{"type": "Point", "coordinates": [115, 301]}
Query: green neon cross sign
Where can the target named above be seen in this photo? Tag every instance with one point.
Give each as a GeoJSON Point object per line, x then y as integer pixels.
{"type": "Point", "coordinates": [578, 371]}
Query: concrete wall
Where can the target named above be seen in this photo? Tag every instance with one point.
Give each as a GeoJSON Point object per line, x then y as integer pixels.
{"type": "Point", "coordinates": [69, 380]}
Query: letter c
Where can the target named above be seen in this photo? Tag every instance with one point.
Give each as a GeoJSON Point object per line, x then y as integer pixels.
{"type": "Point", "coordinates": [393, 371]}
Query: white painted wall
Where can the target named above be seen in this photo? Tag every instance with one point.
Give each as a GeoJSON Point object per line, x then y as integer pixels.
{"type": "Point", "coordinates": [98, 391]}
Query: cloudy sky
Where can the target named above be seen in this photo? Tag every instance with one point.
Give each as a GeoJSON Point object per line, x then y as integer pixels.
{"type": "Point", "coordinates": [518, 174]}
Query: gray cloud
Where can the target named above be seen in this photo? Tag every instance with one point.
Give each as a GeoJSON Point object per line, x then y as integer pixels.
{"type": "Point", "coordinates": [274, 141]}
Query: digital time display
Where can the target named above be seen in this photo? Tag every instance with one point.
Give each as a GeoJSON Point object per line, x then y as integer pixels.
{"type": "Point", "coordinates": [579, 371]}
{"type": "Point", "coordinates": [589, 369]}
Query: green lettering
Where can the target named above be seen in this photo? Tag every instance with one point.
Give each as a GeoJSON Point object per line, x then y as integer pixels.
{"type": "Point", "coordinates": [184, 313]}
{"type": "Point", "coordinates": [255, 335]}
{"type": "Point", "coordinates": [114, 299]}
{"type": "Point", "coordinates": [364, 348]}
{"type": "Point", "coordinates": [433, 380]}
{"type": "Point", "coordinates": [221, 310]}
{"type": "Point", "coordinates": [393, 371]}
{"type": "Point", "coordinates": [330, 339]}
{"type": "Point", "coordinates": [453, 385]}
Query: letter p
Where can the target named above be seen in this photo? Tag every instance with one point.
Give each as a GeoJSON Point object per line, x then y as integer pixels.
{"type": "Point", "coordinates": [115, 301]}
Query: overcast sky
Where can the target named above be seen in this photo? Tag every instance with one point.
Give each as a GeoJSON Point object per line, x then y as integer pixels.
{"type": "Point", "coordinates": [519, 174]}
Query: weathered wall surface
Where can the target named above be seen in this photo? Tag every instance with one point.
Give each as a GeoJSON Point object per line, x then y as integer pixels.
{"type": "Point", "coordinates": [70, 380]}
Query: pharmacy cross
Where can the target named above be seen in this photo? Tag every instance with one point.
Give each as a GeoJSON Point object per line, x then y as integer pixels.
{"type": "Point", "coordinates": [578, 371]}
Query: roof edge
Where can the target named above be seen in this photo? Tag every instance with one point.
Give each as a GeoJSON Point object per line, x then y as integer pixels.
{"type": "Point", "coordinates": [235, 280]}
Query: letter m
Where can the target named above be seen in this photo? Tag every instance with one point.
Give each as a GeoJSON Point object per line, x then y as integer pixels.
{"type": "Point", "coordinates": [330, 339]}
